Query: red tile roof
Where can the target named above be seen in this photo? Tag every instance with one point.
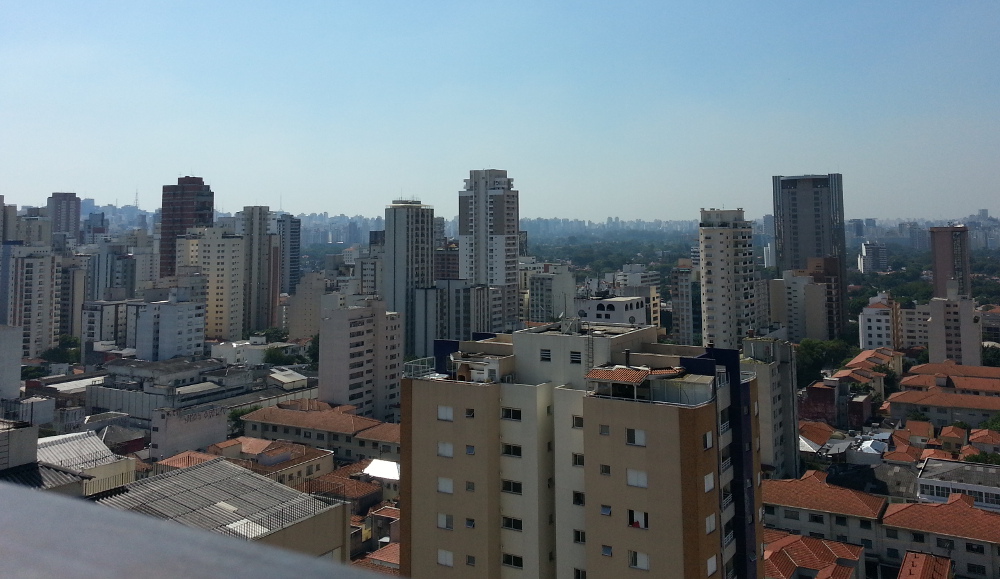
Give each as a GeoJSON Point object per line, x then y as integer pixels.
{"type": "Point", "coordinates": [370, 565]}
{"type": "Point", "coordinates": [812, 492]}
{"type": "Point", "coordinates": [959, 383]}
{"type": "Point", "coordinates": [186, 459]}
{"type": "Point", "coordinates": [387, 432]}
{"type": "Point", "coordinates": [968, 450]}
{"type": "Point", "coordinates": [785, 554]}
{"type": "Point", "coordinates": [353, 468]}
{"type": "Point", "coordinates": [924, 566]}
{"type": "Point", "coordinates": [389, 554]}
{"type": "Point", "coordinates": [818, 432]}
{"type": "Point", "coordinates": [950, 368]}
{"type": "Point", "coordinates": [618, 374]}
{"type": "Point", "coordinates": [984, 436]}
{"type": "Point", "coordinates": [956, 518]}
{"type": "Point", "coordinates": [938, 397]}
{"type": "Point", "coordinates": [908, 454]}
{"type": "Point", "coordinates": [952, 432]}
{"type": "Point", "coordinates": [338, 486]}
{"type": "Point", "coordinates": [935, 453]}
{"type": "Point", "coordinates": [389, 512]}
{"type": "Point", "coordinates": [325, 420]}
{"type": "Point", "coordinates": [920, 428]}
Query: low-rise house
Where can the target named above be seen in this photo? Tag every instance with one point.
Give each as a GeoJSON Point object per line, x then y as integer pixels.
{"type": "Point", "coordinates": [939, 479]}
{"type": "Point", "coordinates": [811, 506]}
{"type": "Point", "coordinates": [385, 561]}
{"type": "Point", "coordinates": [985, 440]}
{"type": "Point", "coordinates": [953, 438]}
{"type": "Point", "coordinates": [224, 498]}
{"type": "Point", "coordinates": [286, 462]}
{"type": "Point", "coordinates": [788, 556]}
{"type": "Point", "coordinates": [956, 529]}
{"type": "Point", "coordinates": [349, 436]}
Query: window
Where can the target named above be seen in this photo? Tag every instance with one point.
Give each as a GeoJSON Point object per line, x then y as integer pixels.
{"type": "Point", "coordinates": [637, 560]}
{"type": "Point", "coordinates": [446, 485]}
{"type": "Point", "coordinates": [712, 565]}
{"type": "Point", "coordinates": [606, 510]}
{"type": "Point", "coordinates": [709, 482]}
{"type": "Point", "coordinates": [606, 550]}
{"type": "Point", "coordinates": [511, 486]}
{"type": "Point", "coordinates": [892, 553]}
{"type": "Point", "coordinates": [867, 543]}
{"type": "Point", "coordinates": [606, 469]}
{"type": "Point", "coordinates": [470, 486]}
{"type": "Point", "coordinates": [840, 521]}
{"type": "Point", "coordinates": [446, 413]}
{"type": "Point", "coordinates": [945, 543]}
{"type": "Point", "coordinates": [512, 561]}
{"type": "Point", "coordinates": [445, 521]}
{"type": "Point", "coordinates": [577, 422]}
{"type": "Point", "coordinates": [867, 525]}
{"type": "Point", "coordinates": [710, 524]}
{"type": "Point", "coordinates": [791, 514]}
{"type": "Point", "coordinates": [918, 537]}
{"type": "Point", "coordinates": [976, 569]}
{"type": "Point", "coordinates": [575, 358]}
{"type": "Point", "coordinates": [470, 523]}
{"type": "Point", "coordinates": [446, 558]}
{"type": "Point", "coordinates": [470, 413]}
{"type": "Point", "coordinates": [577, 459]}
{"type": "Point", "coordinates": [579, 574]}
{"type": "Point", "coordinates": [579, 536]}
{"type": "Point", "coordinates": [512, 524]}
{"type": "Point", "coordinates": [470, 560]}
{"type": "Point", "coordinates": [510, 414]}
{"type": "Point", "coordinates": [816, 535]}
{"type": "Point", "coordinates": [640, 519]}
{"type": "Point", "coordinates": [976, 548]}
{"type": "Point", "coordinates": [511, 450]}
{"type": "Point", "coordinates": [446, 449]}
{"type": "Point", "coordinates": [635, 437]}
{"type": "Point", "coordinates": [604, 429]}
{"type": "Point", "coordinates": [768, 509]}
{"type": "Point", "coordinates": [706, 440]}
{"type": "Point", "coordinates": [892, 533]}
{"type": "Point", "coordinates": [545, 355]}
{"type": "Point", "coordinates": [636, 478]}
{"type": "Point", "coordinates": [579, 498]}
{"type": "Point", "coordinates": [815, 518]}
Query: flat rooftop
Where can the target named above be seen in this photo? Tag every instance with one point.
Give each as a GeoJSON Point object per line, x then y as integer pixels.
{"type": "Point", "coordinates": [961, 472]}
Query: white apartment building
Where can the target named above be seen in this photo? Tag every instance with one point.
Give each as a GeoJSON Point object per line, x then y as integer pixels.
{"type": "Point", "coordinates": [361, 359]}
{"type": "Point", "coordinates": [219, 254]}
{"type": "Point", "coordinates": [166, 329]}
{"type": "Point", "coordinates": [915, 327]}
{"type": "Point", "coordinates": [682, 297]}
{"type": "Point", "coordinates": [728, 277]}
{"type": "Point", "coordinates": [409, 261]}
{"type": "Point", "coordinates": [612, 310]}
{"type": "Point", "coordinates": [546, 290]}
{"type": "Point", "coordinates": [877, 323]}
{"type": "Point", "coordinates": [488, 237]}
{"type": "Point", "coordinates": [105, 321]}
{"type": "Point", "coordinates": [955, 330]}
{"type": "Point", "coordinates": [873, 257]}
{"type": "Point", "coordinates": [30, 291]}
{"type": "Point", "coordinates": [773, 362]}
{"type": "Point", "coordinates": [798, 304]}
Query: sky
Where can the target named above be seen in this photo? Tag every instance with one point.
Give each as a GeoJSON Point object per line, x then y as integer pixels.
{"type": "Point", "coordinates": [637, 110]}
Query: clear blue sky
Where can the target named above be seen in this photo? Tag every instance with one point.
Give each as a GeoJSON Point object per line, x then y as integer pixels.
{"type": "Point", "coordinates": [630, 109]}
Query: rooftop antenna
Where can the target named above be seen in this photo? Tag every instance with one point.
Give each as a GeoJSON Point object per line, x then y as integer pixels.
{"type": "Point", "coordinates": [137, 198]}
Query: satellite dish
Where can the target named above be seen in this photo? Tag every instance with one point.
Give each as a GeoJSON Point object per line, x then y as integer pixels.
{"type": "Point", "coordinates": [631, 319]}
{"type": "Point", "coordinates": [582, 313]}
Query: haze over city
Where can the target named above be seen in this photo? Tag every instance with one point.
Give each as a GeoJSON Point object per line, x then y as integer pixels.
{"type": "Point", "coordinates": [647, 111]}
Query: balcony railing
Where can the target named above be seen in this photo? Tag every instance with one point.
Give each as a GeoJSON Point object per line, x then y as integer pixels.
{"type": "Point", "coordinates": [727, 499]}
{"type": "Point", "coordinates": [724, 428]}
{"type": "Point", "coordinates": [729, 538]}
{"type": "Point", "coordinates": [727, 464]}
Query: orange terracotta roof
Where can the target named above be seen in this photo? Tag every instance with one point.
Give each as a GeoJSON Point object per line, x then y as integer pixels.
{"type": "Point", "coordinates": [935, 453]}
{"type": "Point", "coordinates": [187, 458]}
{"type": "Point", "coordinates": [339, 486]}
{"type": "Point", "coordinates": [924, 566]}
{"type": "Point", "coordinates": [785, 554]}
{"type": "Point", "coordinates": [618, 374]}
{"type": "Point", "coordinates": [952, 432]}
{"type": "Point", "coordinates": [818, 432]}
{"type": "Point", "coordinates": [389, 512]}
{"type": "Point", "coordinates": [357, 521]}
{"type": "Point", "coordinates": [938, 397]}
{"type": "Point", "coordinates": [386, 432]}
{"type": "Point", "coordinates": [920, 428]}
{"type": "Point", "coordinates": [959, 383]}
{"type": "Point", "coordinates": [968, 450]}
{"type": "Point", "coordinates": [389, 554]}
{"type": "Point", "coordinates": [353, 468]}
{"type": "Point", "coordinates": [326, 420]}
{"type": "Point", "coordinates": [251, 445]}
{"type": "Point", "coordinates": [812, 492]}
{"type": "Point", "coordinates": [950, 368]}
{"type": "Point", "coordinates": [370, 565]}
{"type": "Point", "coordinates": [956, 518]}
{"type": "Point", "coordinates": [877, 306]}
{"type": "Point", "coordinates": [908, 454]}
{"type": "Point", "coordinates": [305, 404]}
{"type": "Point", "coordinates": [984, 436]}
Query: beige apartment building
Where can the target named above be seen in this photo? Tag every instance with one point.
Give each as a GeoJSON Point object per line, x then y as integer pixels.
{"type": "Point", "coordinates": [573, 449]}
{"type": "Point", "coordinates": [219, 254]}
{"type": "Point", "coordinates": [728, 277]}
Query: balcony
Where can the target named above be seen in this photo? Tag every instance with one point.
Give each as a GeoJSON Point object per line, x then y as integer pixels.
{"type": "Point", "coordinates": [724, 428]}
{"type": "Point", "coordinates": [727, 464]}
{"type": "Point", "coordinates": [729, 538]}
{"type": "Point", "coordinates": [727, 499]}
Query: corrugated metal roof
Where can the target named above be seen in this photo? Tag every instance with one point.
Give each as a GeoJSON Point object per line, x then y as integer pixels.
{"type": "Point", "coordinates": [41, 476]}
{"type": "Point", "coordinates": [79, 450]}
{"type": "Point", "coordinates": [218, 496]}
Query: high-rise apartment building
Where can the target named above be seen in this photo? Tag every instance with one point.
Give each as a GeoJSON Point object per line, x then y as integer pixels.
{"type": "Point", "coordinates": [189, 203]}
{"type": "Point", "coordinates": [64, 213]}
{"type": "Point", "coordinates": [570, 450]}
{"type": "Point", "coordinates": [262, 256]}
{"type": "Point", "coordinates": [684, 294]}
{"type": "Point", "coordinates": [219, 254]}
{"type": "Point", "coordinates": [165, 329]}
{"type": "Point", "coordinates": [873, 257]}
{"type": "Point", "coordinates": [728, 278]}
{"type": "Point", "coordinates": [955, 329]}
{"type": "Point", "coordinates": [951, 260]}
{"type": "Point", "coordinates": [773, 362]}
{"type": "Point", "coordinates": [361, 358]}
{"type": "Point", "coordinates": [408, 261]}
{"type": "Point", "coordinates": [290, 235]}
{"type": "Point", "coordinates": [30, 290]}
{"type": "Point", "coordinates": [488, 237]}
{"type": "Point", "coordinates": [809, 223]}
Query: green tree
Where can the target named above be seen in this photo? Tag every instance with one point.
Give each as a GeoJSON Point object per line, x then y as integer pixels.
{"type": "Point", "coordinates": [814, 356]}
{"type": "Point", "coordinates": [32, 372]}
{"type": "Point", "coordinates": [275, 335]}
{"type": "Point", "coordinates": [313, 351]}
{"type": "Point", "coordinates": [984, 458]}
{"type": "Point", "coordinates": [891, 378]}
{"type": "Point", "coordinates": [991, 356]}
{"type": "Point", "coordinates": [992, 423]}
{"type": "Point", "coordinates": [236, 426]}
{"type": "Point", "coordinates": [277, 357]}
{"type": "Point", "coordinates": [917, 415]}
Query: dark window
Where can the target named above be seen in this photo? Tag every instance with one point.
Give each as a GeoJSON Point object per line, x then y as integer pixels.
{"type": "Point", "coordinates": [511, 486]}
{"type": "Point", "coordinates": [579, 498]}
{"type": "Point", "coordinates": [866, 525]}
{"type": "Point", "coordinates": [513, 561]}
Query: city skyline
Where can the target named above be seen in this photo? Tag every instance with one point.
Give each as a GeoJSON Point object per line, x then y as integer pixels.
{"type": "Point", "coordinates": [580, 105]}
